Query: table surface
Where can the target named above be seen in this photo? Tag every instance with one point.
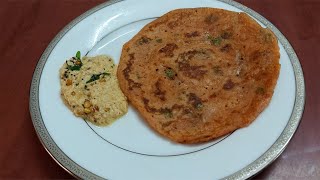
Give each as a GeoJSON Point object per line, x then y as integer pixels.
{"type": "Point", "coordinates": [27, 27]}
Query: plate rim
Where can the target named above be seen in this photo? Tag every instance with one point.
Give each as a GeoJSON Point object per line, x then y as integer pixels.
{"type": "Point", "coordinates": [250, 170]}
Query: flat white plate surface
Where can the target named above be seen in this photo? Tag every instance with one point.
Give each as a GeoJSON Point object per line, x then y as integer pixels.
{"type": "Point", "coordinates": [129, 149]}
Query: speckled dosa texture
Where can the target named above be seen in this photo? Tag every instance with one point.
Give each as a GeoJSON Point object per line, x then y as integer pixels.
{"type": "Point", "coordinates": [198, 74]}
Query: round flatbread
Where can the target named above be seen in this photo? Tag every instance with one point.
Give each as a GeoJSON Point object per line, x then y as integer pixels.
{"type": "Point", "coordinates": [198, 74]}
{"type": "Point", "coordinates": [89, 87]}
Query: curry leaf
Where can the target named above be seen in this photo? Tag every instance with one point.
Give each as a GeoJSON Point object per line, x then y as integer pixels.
{"type": "Point", "coordinates": [78, 55]}
{"type": "Point", "coordinates": [95, 77]}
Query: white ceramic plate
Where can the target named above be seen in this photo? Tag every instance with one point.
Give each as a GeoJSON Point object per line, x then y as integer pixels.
{"type": "Point", "coordinates": [128, 149]}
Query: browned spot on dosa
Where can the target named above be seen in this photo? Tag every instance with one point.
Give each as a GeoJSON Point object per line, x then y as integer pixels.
{"type": "Point", "coordinates": [168, 49]}
{"type": "Point", "coordinates": [161, 94]}
{"type": "Point", "coordinates": [193, 34]}
{"type": "Point", "coordinates": [126, 73]}
{"type": "Point", "coordinates": [228, 85]}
